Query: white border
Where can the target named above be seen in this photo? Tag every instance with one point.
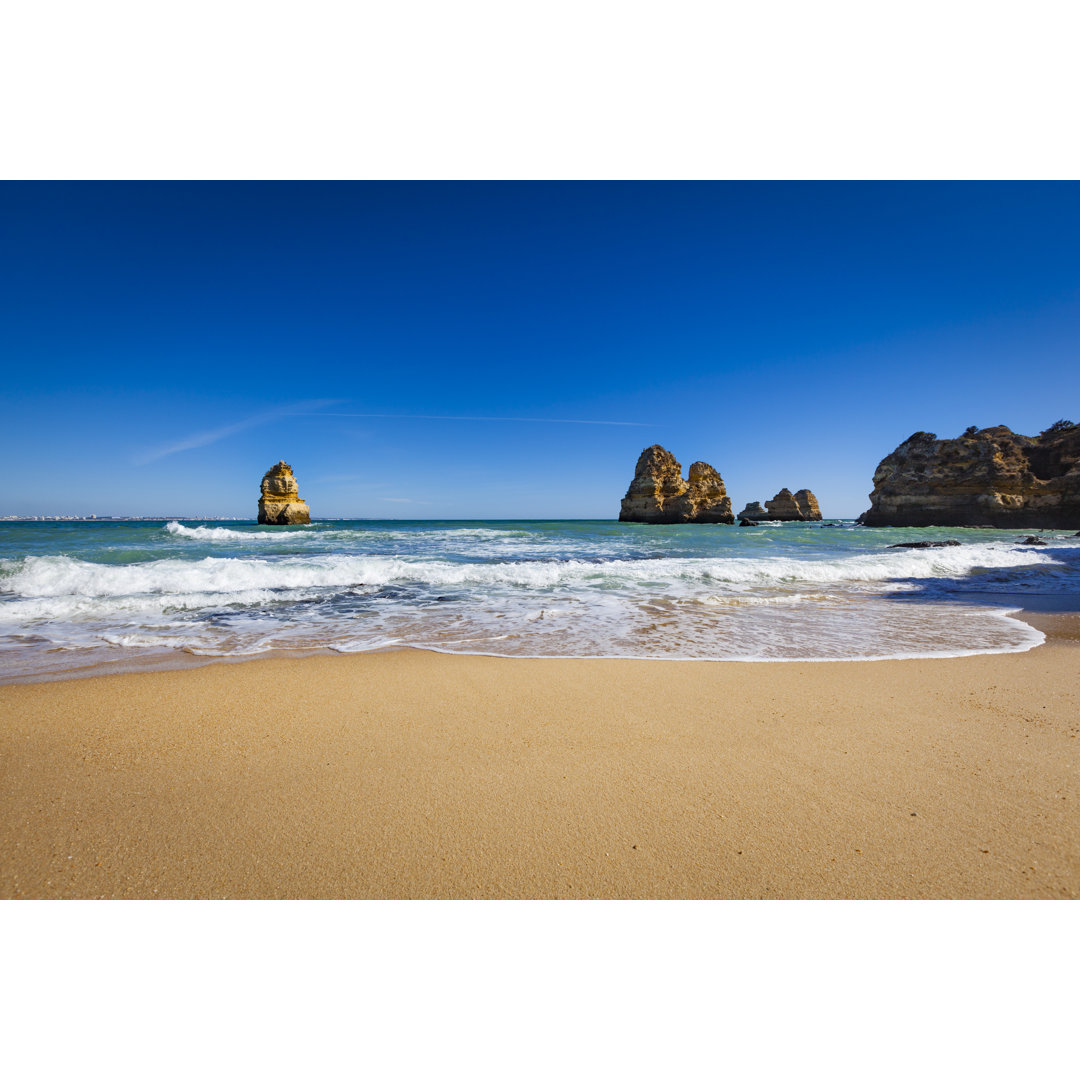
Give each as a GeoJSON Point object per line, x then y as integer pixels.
{"type": "Point", "coordinates": [583, 89]}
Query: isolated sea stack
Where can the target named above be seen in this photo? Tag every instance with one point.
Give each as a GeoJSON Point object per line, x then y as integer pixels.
{"type": "Point", "coordinates": [802, 506]}
{"type": "Point", "coordinates": [752, 511]}
{"type": "Point", "coordinates": [658, 494]}
{"type": "Point", "coordinates": [991, 478]}
{"type": "Point", "coordinates": [280, 503]}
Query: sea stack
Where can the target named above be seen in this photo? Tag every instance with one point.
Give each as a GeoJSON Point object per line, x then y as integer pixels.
{"type": "Point", "coordinates": [989, 478]}
{"type": "Point", "coordinates": [802, 506]}
{"type": "Point", "coordinates": [752, 511]}
{"type": "Point", "coordinates": [658, 495]}
{"type": "Point", "coordinates": [280, 503]}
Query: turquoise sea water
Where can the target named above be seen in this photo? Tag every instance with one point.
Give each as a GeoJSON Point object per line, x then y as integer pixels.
{"type": "Point", "coordinates": [78, 595]}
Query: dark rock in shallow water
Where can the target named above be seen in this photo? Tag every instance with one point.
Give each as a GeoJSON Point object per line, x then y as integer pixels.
{"type": "Point", "coordinates": [928, 544]}
{"type": "Point", "coordinates": [747, 521]}
{"type": "Point", "coordinates": [1033, 541]}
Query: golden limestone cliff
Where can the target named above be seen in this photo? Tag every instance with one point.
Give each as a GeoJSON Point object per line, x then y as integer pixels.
{"type": "Point", "coordinates": [280, 503]}
{"type": "Point", "coordinates": [807, 503]}
{"type": "Point", "coordinates": [658, 495]}
{"type": "Point", "coordinates": [802, 506]}
{"type": "Point", "coordinates": [989, 478]}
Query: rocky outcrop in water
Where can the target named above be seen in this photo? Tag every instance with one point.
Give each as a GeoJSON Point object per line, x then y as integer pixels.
{"type": "Point", "coordinates": [807, 503]}
{"type": "Point", "coordinates": [752, 511]}
{"type": "Point", "coordinates": [802, 506]}
{"type": "Point", "coordinates": [991, 478]}
{"type": "Point", "coordinates": [928, 544]}
{"type": "Point", "coordinates": [658, 495]}
{"type": "Point", "coordinates": [280, 503]}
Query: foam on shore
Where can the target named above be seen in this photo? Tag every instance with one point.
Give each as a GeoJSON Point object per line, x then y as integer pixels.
{"type": "Point", "coordinates": [527, 590]}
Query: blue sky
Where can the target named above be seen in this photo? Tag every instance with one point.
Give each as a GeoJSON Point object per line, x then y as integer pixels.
{"type": "Point", "coordinates": [164, 344]}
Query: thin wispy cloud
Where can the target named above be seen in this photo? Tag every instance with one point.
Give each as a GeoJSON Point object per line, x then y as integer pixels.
{"type": "Point", "coordinates": [502, 419]}
{"type": "Point", "coordinates": [213, 435]}
{"type": "Point", "coordinates": [347, 478]}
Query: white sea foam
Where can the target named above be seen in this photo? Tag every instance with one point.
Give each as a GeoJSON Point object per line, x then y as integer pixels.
{"type": "Point", "coordinates": [532, 591]}
{"type": "Point", "coordinates": [217, 533]}
{"type": "Point", "coordinates": [61, 575]}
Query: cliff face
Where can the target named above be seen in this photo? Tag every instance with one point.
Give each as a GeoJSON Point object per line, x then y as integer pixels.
{"type": "Point", "coordinates": [991, 478]}
{"type": "Point", "coordinates": [658, 495]}
{"type": "Point", "coordinates": [280, 503]}
{"type": "Point", "coordinates": [802, 506]}
{"type": "Point", "coordinates": [807, 503]}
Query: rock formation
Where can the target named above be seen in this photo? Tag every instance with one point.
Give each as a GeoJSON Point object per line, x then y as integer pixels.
{"type": "Point", "coordinates": [802, 506]}
{"type": "Point", "coordinates": [991, 478]}
{"type": "Point", "coordinates": [658, 495]}
{"type": "Point", "coordinates": [928, 544]}
{"type": "Point", "coordinates": [280, 503]}
{"type": "Point", "coordinates": [752, 511]}
{"type": "Point", "coordinates": [807, 503]}
{"type": "Point", "coordinates": [782, 506]}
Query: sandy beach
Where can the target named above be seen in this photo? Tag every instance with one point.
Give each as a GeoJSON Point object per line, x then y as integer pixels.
{"type": "Point", "coordinates": [419, 775]}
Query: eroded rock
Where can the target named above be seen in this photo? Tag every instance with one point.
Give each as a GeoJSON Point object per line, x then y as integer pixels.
{"type": "Point", "coordinates": [752, 511]}
{"type": "Point", "coordinates": [658, 495]}
{"type": "Point", "coordinates": [987, 478]}
{"type": "Point", "coordinates": [802, 506]}
{"type": "Point", "coordinates": [280, 502]}
{"type": "Point", "coordinates": [807, 503]}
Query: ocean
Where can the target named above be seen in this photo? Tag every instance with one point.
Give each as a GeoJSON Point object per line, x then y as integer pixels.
{"type": "Point", "coordinates": [79, 597]}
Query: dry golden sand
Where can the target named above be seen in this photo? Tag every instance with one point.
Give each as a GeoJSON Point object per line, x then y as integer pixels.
{"type": "Point", "coordinates": [412, 774]}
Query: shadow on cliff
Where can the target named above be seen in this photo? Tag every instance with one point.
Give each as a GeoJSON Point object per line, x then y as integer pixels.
{"type": "Point", "coordinates": [1046, 588]}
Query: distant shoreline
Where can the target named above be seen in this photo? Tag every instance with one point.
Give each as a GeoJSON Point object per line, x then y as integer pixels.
{"type": "Point", "coordinates": [165, 518]}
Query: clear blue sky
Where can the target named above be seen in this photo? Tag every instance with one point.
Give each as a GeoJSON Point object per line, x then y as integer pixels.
{"type": "Point", "coordinates": [164, 344]}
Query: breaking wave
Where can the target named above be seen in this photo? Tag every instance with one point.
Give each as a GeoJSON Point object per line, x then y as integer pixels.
{"type": "Point", "coordinates": [212, 533]}
{"type": "Point", "coordinates": [40, 576]}
{"type": "Point", "coordinates": [525, 589]}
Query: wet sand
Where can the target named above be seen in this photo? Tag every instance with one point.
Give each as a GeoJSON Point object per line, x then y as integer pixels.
{"type": "Point", "coordinates": [414, 774]}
